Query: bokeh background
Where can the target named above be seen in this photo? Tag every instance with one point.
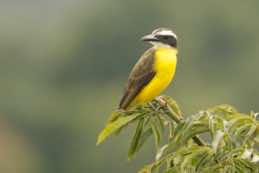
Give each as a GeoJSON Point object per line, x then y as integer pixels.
{"type": "Point", "coordinates": [63, 65]}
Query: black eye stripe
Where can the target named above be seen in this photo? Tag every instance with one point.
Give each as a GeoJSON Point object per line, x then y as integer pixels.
{"type": "Point", "coordinates": [165, 36]}
{"type": "Point", "coordinates": [167, 39]}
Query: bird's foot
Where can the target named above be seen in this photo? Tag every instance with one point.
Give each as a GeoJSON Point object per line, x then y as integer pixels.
{"type": "Point", "coordinates": [155, 108]}
{"type": "Point", "coordinates": [161, 101]}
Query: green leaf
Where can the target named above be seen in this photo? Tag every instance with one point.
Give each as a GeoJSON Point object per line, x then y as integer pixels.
{"type": "Point", "coordinates": [240, 120]}
{"type": "Point", "coordinates": [228, 134]}
{"type": "Point", "coordinates": [136, 138]}
{"type": "Point", "coordinates": [151, 167]}
{"type": "Point", "coordinates": [115, 115]}
{"type": "Point", "coordinates": [223, 109]}
{"type": "Point", "coordinates": [173, 170]}
{"type": "Point", "coordinates": [160, 121]}
{"type": "Point", "coordinates": [147, 133]}
{"type": "Point", "coordinates": [156, 133]}
{"type": "Point", "coordinates": [171, 131]}
{"type": "Point", "coordinates": [173, 104]}
{"type": "Point", "coordinates": [246, 165]}
{"type": "Point", "coordinates": [114, 126]}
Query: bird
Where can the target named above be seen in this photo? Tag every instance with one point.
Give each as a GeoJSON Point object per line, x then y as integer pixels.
{"type": "Point", "coordinates": [154, 70]}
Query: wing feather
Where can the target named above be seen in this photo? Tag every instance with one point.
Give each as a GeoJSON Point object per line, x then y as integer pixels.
{"type": "Point", "coordinates": [141, 74]}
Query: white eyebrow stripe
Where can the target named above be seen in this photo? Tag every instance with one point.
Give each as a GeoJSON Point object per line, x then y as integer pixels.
{"type": "Point", "coordinates": [167, 32]}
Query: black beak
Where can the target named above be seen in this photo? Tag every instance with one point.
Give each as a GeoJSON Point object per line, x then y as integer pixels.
{"type": "Point", "coordinates": [149, 37]}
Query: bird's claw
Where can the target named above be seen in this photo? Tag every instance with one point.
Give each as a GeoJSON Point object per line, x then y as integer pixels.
{"type": "Point", "coordinates": [161, 101]}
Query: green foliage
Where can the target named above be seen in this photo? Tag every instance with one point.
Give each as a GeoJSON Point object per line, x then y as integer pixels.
{"type": "Point", "coordinates": [230, 145]}
{"type": "Point", "coordinates": [115, 125]}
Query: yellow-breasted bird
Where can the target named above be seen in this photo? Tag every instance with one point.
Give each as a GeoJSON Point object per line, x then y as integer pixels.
{"type": "Point", "coordinates": [154, 70]}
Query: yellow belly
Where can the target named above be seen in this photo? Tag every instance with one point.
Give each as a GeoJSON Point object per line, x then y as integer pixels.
{"type": "Point", "coordinates": [164, 66]}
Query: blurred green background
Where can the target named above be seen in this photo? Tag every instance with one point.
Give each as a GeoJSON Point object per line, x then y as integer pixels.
{"type": "Point", "coordinates": [64, 63]}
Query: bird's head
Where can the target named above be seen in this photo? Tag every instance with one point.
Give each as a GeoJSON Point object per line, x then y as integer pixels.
{"type": "Point", "coordinates": [161, 37]}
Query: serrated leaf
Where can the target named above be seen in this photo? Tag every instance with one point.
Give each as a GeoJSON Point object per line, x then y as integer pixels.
{"type": "Point", "coordinates": [114, 126]}
{"type": "Point", "coordinates": [136, 138]}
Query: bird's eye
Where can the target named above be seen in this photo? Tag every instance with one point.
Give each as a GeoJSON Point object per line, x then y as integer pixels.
{"type": "Point", "coordinates": [165, 37]}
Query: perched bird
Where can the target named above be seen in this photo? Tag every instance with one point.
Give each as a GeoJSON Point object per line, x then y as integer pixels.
{"type": "Point", "coordinates": [154, 71]}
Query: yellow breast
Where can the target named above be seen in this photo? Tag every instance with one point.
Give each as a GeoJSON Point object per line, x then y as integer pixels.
{"type": "Point", "coordinates": [164, 66]}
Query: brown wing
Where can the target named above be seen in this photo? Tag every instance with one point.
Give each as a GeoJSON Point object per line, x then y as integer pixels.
{"type": "Point", "coordinates": [140, 76]}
